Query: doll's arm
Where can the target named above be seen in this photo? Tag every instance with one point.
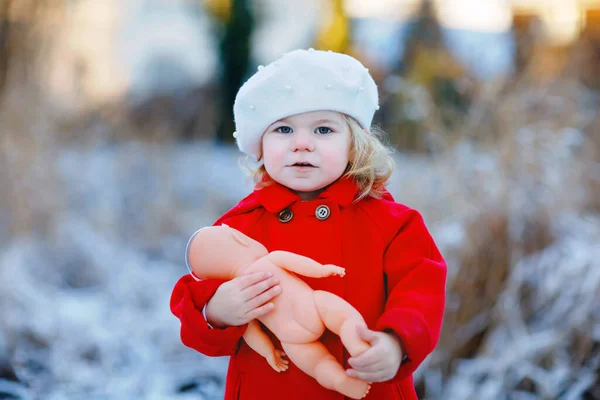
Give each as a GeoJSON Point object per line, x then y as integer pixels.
{"type": "Point", "coordinates": [303, 265]}
{"type": "Point", "coordinates": [187, 301]}
{"type": "Point", "coordinates": [416, 279]}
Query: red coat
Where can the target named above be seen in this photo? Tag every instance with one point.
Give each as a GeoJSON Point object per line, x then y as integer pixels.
{"type": "Point", "coordinates": [395, 277]}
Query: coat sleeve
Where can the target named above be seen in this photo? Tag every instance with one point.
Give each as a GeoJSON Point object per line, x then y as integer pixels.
{"type": "Point", "coordinates": [187, 301]}
{"type": "Point", "coordinates": [416, 286]}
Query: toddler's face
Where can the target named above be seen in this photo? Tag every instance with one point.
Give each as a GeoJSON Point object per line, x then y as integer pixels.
{"type": "Point", "coordinates": [307, 152]}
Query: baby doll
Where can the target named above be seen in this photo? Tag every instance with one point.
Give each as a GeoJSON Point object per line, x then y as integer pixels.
{"type": "Point", "coordinates": [301, 314]}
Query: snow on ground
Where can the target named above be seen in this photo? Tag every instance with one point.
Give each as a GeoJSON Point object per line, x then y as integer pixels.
{"type": "Point", "coordinates": [85, 307]}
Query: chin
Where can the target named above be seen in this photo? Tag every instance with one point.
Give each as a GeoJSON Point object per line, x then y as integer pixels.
{"type": "Point", "coordinates": [304, 188]}
{"type": "Point", "coordinates": [307, 188]}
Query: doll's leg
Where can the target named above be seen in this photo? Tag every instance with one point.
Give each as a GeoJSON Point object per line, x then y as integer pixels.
{"type": "Point", "coordinates": [342, 319]}
{"type": "Point", "coordinates": [260, 342]}
{"type": "Point", "coordinates": [315, 360]}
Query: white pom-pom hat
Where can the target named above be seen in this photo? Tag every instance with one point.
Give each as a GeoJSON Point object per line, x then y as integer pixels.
{"type": "Point", "coordinates": [302, 81]}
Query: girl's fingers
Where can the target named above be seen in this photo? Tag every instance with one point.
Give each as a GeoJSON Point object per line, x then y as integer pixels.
{"type": "Point", "coordinates": [370, 356]}
{"type": "Point", "coordinates": [246, 281]}
{"type": "Point", "coordinates": [366, 367]}
{"type": "Point", "coordinates": [263, 298]}
{"type": "Point", "coordinates": [378, 376]}
{"type": "Point", "coordinates": [259, 287]}
{"type": "Point", "coordinates": [257, 312]}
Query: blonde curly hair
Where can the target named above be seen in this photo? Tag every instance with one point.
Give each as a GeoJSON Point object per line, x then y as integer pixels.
{"type": "Point", "coordinates": [370, 163]}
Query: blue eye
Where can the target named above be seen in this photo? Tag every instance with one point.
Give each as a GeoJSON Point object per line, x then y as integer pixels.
{"type": "Point", "coordinates": [284, 129]}
{"type": "Point", "coordinates": [323, 130]}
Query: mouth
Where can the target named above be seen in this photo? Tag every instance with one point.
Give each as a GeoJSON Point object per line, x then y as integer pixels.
{"type": "Point", "coordinates": [303, 164]}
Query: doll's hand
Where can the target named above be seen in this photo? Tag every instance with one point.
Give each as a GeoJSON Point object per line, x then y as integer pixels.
{"type": "Point", "coordinates": [242, 299]}
{"type": "Point", "coordinates": [381, 361]}
{"type": "Point", "coordinates": [277, 361]}
{"type": "Point", "coordinates": [331, 269]}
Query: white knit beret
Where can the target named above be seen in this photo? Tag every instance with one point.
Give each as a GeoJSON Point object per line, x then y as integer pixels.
{"type": "Point", "coordinates": [302, 81]}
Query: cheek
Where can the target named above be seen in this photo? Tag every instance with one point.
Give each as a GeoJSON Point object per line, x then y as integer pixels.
{"type": "Point", "coordinates": [337, 157]}
{"type": "Point", "coordinates": [335, 161]}
{"type": "Point", "coordinates": [272, 153]}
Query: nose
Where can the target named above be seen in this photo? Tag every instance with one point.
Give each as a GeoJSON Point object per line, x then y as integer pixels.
{"type": "Point", "coordinates": [303, 141]}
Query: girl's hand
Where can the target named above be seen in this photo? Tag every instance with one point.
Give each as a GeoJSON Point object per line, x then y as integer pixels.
{"type": "Point", "coordinates": [242, 299]}
{"type": "Point", "coordinates": [381, 361]}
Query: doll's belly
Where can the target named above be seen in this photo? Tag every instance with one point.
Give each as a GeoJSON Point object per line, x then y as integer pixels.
{"type": "Point", "coordinates": [295, 318]}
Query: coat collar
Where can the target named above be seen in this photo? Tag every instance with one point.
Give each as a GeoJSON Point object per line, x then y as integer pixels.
{"type": "Point", "coordinates": [276, 197]}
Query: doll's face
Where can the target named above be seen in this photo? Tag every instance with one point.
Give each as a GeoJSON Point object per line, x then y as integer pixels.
{"type": "Point", "coordinates": [307, 152]}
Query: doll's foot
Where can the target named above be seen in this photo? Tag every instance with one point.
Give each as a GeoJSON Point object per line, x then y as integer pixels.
{"type": "Point", "coordinates": [277, 361]}
{"type": "Point", "coordinates": [335, 270]}
{"type": "Point", "coordinates": [368, 389]}
{"type": "Point", "coordinates": [354, 388]}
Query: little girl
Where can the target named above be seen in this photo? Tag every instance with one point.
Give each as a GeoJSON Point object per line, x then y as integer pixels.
{"type": "Point", "coordinates": [320, 193]}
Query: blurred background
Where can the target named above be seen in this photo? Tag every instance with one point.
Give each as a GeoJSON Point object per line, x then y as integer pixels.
{"type": "Point", "coordinates": [116, 145]}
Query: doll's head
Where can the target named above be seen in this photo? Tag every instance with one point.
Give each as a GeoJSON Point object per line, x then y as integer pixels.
{"type": "Point", "coordinates": [218, 252]}
{"type": "Point", "coordinates": [306, 119]}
